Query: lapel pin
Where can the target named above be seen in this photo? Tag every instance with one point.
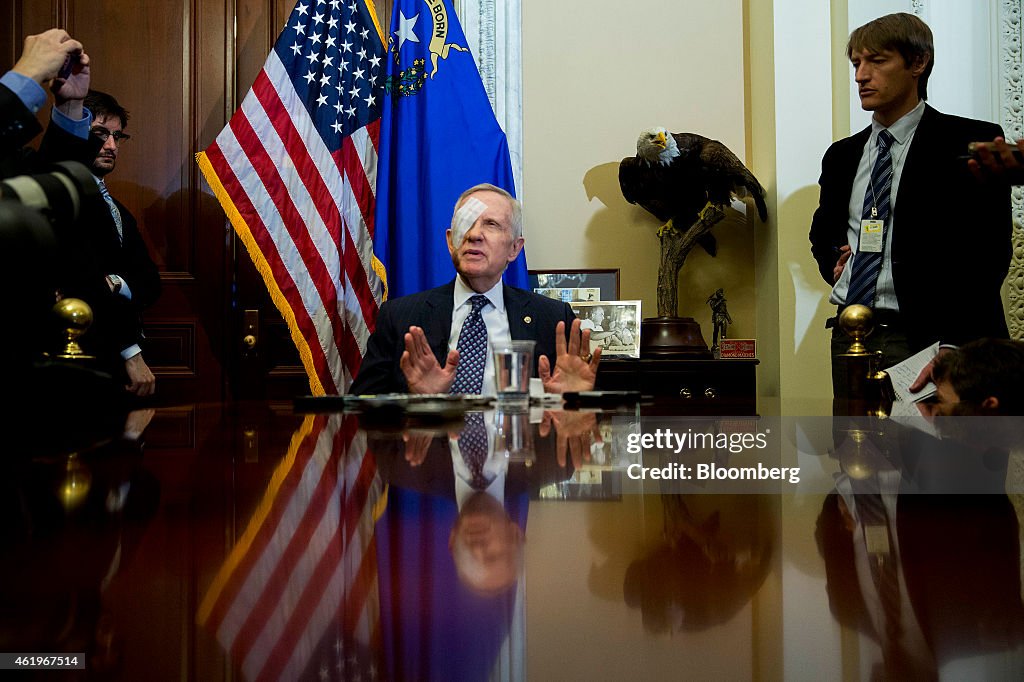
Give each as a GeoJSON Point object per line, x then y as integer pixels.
{"type": "Point", "coordinates": [527, 319]}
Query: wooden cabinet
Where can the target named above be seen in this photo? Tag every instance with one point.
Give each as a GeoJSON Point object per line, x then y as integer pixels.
{"type": "Point", "coordinates": [704, 387]}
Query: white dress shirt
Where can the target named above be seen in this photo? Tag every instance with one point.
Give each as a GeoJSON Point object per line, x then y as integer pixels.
{"type": "Point", "coordinates": [495, 319]}
{"type": "Point", "coordinates": [903, 131]}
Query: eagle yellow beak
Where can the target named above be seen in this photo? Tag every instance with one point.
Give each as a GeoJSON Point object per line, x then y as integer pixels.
{"type": "Point", "coordinates": [660, 139]}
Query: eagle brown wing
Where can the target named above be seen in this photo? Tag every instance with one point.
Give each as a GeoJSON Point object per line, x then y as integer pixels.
{"type": "Point", "coordinates": [726, 174]}
{"type": "Point", "coordinates": [675, 192]}
{"type": "Point", "coordinates": [647, 186]}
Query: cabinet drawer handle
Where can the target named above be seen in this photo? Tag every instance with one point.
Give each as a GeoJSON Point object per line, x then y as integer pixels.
{"type": "Point", "coordinates": [710, 392]}
{"type": "Point", "coordinates": [685, 392]}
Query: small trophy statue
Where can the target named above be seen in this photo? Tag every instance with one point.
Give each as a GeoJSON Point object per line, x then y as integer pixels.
{"type": "Point", "coordinates": [719, 319]}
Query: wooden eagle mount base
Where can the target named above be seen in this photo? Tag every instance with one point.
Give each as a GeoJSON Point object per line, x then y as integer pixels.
{"type": "Point", "coordinates": [663, 337]}
{"type": "Point", "coordinates": [668, 334]}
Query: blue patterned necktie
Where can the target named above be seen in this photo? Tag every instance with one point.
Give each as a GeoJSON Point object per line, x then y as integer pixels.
{"type": "Point", "coordinates": [867, 265]}
{"type": "Point", "coordinates": [115, 214]}
{"type": "Point", "coordinates": [473, 448]}
{"type": "Point", "coordinates": [469, 375]}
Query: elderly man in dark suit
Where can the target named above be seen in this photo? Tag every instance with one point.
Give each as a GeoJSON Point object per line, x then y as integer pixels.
{"type": "Point", "coordinates": [902, 226]}
{"type": "Point", "coordinates": [437, 341]}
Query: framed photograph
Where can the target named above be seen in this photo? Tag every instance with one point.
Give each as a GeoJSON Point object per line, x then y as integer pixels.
{"type": "Point", "coordinates": [614, 326]}
{"type": "Point", "coordinates": [571, 294]}
{"type": "Point", "coordinates": [606, 280]}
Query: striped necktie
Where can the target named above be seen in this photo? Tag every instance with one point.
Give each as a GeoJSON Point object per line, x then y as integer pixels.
{"type": "Point", "coordinates": [115, 214]}
{"type": "Point", "coordinates": [469, 375]}
{"type": "Point", "coordinates": [867, 265]}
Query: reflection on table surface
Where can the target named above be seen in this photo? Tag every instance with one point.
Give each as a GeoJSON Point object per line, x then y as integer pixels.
{"type": "Point", "coordinates": [248, 541]}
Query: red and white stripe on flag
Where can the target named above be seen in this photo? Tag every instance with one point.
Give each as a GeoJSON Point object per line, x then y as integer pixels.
{"type": "Point", "coordinates": [302, 578]}
{"type": "Point", "coordinates": [295, 170]}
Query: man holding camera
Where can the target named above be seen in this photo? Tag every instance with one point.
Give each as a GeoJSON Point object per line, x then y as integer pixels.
{"type": "Point", "coordinates": [55, 58]}
{"type": "Point", "coordinates": [102, 258]}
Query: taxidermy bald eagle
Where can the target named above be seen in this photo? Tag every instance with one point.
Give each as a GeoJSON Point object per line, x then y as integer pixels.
{"type": "Point", "coordinates": [685, 180]}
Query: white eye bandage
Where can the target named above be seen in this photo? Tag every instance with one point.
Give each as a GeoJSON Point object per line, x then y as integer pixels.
{"type": "Point", "coordinates": [464, 219]}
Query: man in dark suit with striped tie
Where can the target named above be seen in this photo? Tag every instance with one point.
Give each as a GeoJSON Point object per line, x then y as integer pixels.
{"type": "Point", "coordinates": [902, 226]}
{"type": "Point", "coordinates": [108, 263]}
{"type": "Point", "coordinates": [438, 341]}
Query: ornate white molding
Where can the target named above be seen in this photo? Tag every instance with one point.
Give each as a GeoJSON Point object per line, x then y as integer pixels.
{"type": "Point", "coordinates": [493, 30]}
{"type": "Point", "coordinates": [1011, 108]}
{"type": "Point", "coordinates": [917, 7]}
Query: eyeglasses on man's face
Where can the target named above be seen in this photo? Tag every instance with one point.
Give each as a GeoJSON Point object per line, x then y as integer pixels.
{"type": "Point", "coordinates": [104, 134]}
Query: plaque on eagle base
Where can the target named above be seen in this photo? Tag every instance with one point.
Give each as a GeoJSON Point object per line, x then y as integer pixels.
{"type": "Point", "coordinates": [672, 337]}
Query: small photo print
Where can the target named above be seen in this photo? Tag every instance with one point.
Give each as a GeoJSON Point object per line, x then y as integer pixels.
{"type": "Point", "coordinates": [606, 281]}
{"type": "Point", "coordinates": [614, 326]}
{"type": "Point", "coordinates": [571, 294]}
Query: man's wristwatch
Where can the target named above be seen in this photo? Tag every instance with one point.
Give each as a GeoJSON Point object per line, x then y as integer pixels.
{"type": "Point", "coordinates": [117, 282]}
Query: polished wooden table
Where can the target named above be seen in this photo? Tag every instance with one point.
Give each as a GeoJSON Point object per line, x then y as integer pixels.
{"type": "Point", "coordinates": [252, 542]}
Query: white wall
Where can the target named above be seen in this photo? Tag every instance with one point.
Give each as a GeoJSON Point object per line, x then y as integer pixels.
{"type": "Point", "coordinates": [595, 74]}
{"type": "Point", "coordinates": [770, 79]}
{"type": "Point", "coordinates": [813, 102]}
{"type": "Point", "coordinates": [966, 76]}
{"type": "Point", "coordinates": [803, 121]}
{"type": "Point", "coordinates": [801, 103]}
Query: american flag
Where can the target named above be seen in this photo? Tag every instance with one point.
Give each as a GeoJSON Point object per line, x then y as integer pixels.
{"type": "Point", "coordinates": [295, 170]}
{"type": "Point", "coordinates": [297, 597]}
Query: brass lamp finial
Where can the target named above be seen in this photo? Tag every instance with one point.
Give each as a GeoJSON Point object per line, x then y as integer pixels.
{"type": "Point", "coordinates": [75, 316]}
{"type": "Point", "coordinates": [856, 321]}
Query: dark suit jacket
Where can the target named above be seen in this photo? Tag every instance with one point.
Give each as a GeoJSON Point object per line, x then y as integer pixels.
{"type": "Point", "coordinates": [90, 251]}
{"type": "Point", "coordinates": [951, 243]}
{"type": "Point", "coordinates": [17, 126]}
{"type": "Point", "coordinates": [118, 322]}
{"type": "Point", "coordinates": [128, 258]}
{"type": "Point", "coordinates": [432, 310]}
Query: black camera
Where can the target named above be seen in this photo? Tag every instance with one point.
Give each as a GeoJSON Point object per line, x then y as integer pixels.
{"type": "Point", "coordinates": [35, 211]}
{"type": "Point", "coordinates": [58, 194]}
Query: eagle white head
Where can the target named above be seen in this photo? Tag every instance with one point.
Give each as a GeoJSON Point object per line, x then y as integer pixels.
{"type": "Point", "coordinates": [657, 146]}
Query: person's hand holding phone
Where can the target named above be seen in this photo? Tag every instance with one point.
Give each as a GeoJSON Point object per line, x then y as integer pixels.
{"type": "Point", "coordinates": [997, 161]}
{"type": "Point", "coordinates": [48, 55]}
{"type": "Point", "coordinates": [72, 84]}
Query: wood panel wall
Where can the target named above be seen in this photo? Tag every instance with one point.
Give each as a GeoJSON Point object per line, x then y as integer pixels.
{"type": "Point", "coordinates": [181, 68]}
